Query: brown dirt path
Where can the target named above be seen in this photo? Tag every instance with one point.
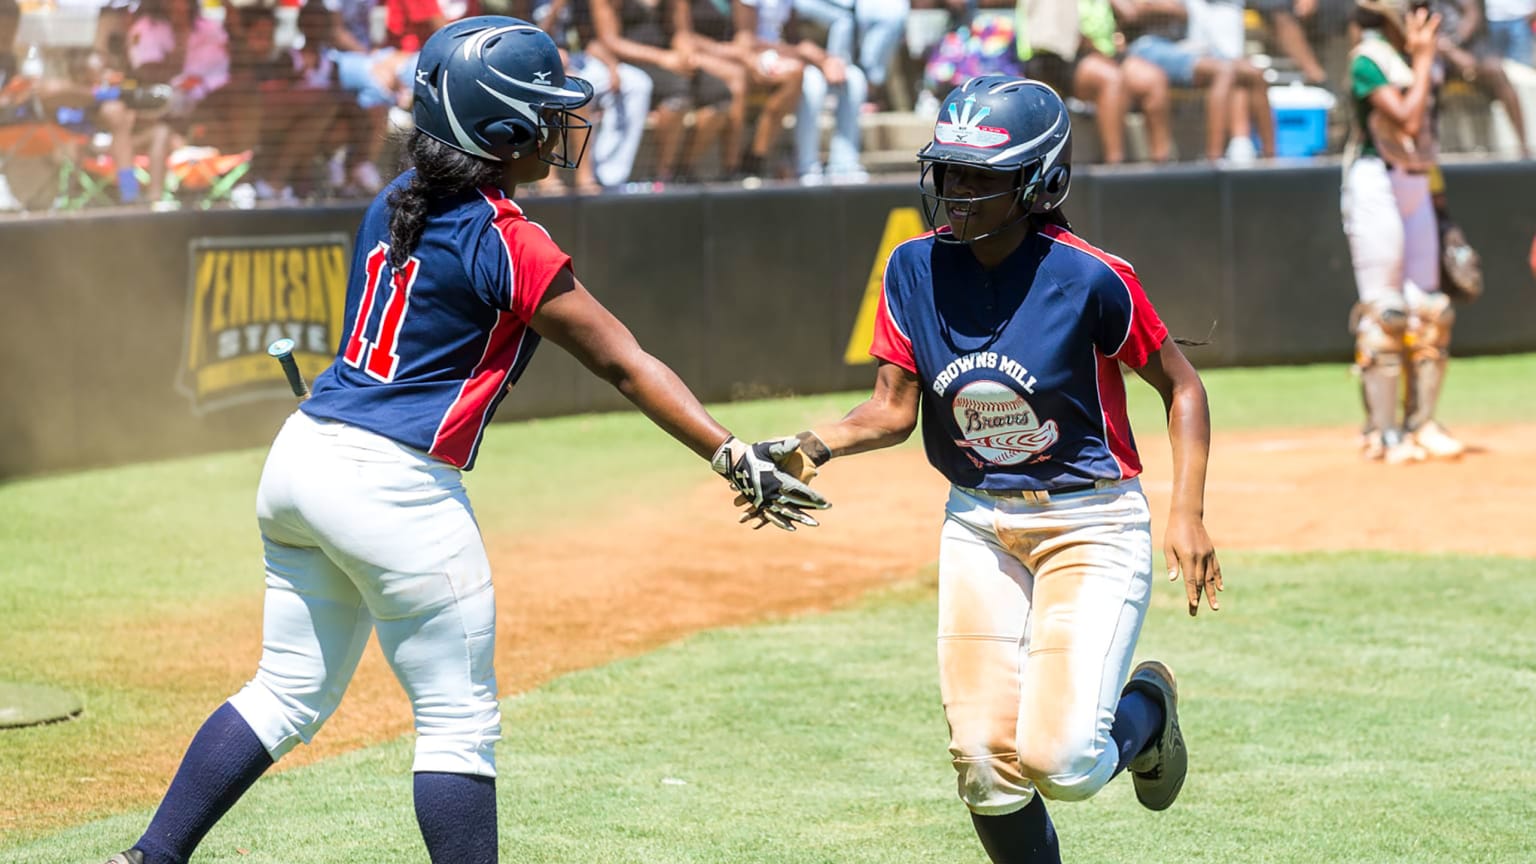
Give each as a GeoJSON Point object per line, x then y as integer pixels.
{"type": "Point", "coordinates": [617, 587]}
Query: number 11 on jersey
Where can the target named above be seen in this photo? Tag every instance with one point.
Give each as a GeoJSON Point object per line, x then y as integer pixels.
{"type": "Point", "coordinates": [378, 358]}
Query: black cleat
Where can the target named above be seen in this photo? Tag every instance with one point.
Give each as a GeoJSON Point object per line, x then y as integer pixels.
{"type": "Point", "coordinates": [1158, 771]}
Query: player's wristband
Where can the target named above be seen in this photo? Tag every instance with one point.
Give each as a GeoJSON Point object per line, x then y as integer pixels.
{"type": "Point", "coordinates": [815, 449]}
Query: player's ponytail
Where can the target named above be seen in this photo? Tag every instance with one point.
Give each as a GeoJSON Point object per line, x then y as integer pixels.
{"type": "Point", "coordinates": [441, 171]}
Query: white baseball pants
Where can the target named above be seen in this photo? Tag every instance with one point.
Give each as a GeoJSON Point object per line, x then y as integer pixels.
{"type": "Point", "coordinates": [1394, 242]}
{"type": "Point", "coordinates": [361, 533]}
{"type": "Point", "coordinates": [1040, 606]}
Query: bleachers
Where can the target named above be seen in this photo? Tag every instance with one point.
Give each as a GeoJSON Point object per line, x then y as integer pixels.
{"type": "Point", "coordinates": [1469, 123]}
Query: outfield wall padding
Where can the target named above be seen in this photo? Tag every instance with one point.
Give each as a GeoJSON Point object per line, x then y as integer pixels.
{"type": "Point", "coordinates": [745, 294]}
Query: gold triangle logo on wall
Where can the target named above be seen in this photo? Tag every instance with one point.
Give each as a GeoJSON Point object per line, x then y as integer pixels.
{"type": "Point", "coordinates": [901, 225]}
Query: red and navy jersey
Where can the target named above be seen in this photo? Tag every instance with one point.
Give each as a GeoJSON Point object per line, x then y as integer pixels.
{"type": "Point", "coordinates": [428, 351]}
{"type": "Point", "coordinates": [1019, 366]}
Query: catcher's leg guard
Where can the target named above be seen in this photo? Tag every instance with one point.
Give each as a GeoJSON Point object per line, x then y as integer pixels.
{"type": "Point", "coordinates": [1428, 341]}
{"type": "Point", "coordinates": [1380, 330]}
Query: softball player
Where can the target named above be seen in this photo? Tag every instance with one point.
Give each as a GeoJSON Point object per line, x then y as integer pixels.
{"type": "Point", "coordinates": [363, 515]}
{"type": "Point", "coordinates": [1009, 331]}
{"type": "Point", "coordinates": [1402, 322]}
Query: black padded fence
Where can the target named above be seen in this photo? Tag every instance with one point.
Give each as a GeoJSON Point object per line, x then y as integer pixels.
{"type": "Point", "coordinates": [131, 337]}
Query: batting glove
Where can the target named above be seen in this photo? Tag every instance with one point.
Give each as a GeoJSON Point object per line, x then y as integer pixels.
{"type": "Point", "coordinates": [771, 494]}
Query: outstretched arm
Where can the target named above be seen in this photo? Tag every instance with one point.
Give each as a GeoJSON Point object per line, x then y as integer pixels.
{"type": "Point", "coordinates": [572, 318]}
{"type": "Point", "coordinates": [885, 419]}
{"type": "Point", "coordinates": [1186, 545]}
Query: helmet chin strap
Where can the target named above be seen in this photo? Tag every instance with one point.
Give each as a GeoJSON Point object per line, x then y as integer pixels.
{"type": "Point", "coordinates": [993, 233]}
{"type": "Point", "coordinates": [930, 214]}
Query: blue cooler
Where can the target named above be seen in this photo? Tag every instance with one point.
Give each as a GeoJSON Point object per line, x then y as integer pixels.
{"type": "Point", "coordinates": [1301, 119]}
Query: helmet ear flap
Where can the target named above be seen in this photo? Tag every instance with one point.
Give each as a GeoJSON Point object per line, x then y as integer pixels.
{"type": "Point", "coordinates": [511, 138]}
{"type": "Point", "coordinates": [1056, 180]}
{"type": "Point", "coordinates": [1053, 188]}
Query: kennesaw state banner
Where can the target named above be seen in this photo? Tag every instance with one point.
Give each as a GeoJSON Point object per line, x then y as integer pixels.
{"type": "Point", "coordinates": [243, 294]}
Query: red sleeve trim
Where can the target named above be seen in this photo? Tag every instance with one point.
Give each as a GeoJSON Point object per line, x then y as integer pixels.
{"type": "Point", "coordinates": [533, 258]}
{"type": "Point", "coordinates": [890, 343]}
{"type": "Point", "coordinates": [1145, 332]}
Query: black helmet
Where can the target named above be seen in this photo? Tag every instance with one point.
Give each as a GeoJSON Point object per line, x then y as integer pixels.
{"type": "Point", "coordinates": [1007, 124]}
{"type": "Point", "coordinates": [494, 87]}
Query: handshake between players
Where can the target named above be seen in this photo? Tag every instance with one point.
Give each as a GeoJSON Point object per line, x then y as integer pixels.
{"type": "Point", "coordinates": [772, 478]}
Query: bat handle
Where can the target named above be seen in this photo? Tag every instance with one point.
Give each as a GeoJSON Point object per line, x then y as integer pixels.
{"type": "Point", "coordinates": [282, 349]}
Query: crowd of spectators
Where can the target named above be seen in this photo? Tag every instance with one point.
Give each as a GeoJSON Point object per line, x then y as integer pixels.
{"type": "Point", "coordinates": [298, 101]}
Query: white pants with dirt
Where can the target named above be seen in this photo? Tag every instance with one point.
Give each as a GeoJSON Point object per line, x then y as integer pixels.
{"type": "Point", "coordinates": [1040, 605]}
{"type": "Point", "coordinates": [364, 534]}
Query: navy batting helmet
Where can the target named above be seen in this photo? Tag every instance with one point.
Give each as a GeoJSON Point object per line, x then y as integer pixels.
{"type": "Point", "coordinates": [1006, 124]}
{"type": "Point", "coordinates": [494, 87]}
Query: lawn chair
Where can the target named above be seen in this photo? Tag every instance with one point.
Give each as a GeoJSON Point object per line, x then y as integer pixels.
{"type": "Point", "coordinates": [200, 176]}
{"type": "Point", "coordinates": [87, 175]}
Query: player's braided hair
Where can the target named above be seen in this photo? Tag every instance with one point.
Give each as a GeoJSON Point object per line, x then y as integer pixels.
{"type": "Point", "coordinates": [441, 171]}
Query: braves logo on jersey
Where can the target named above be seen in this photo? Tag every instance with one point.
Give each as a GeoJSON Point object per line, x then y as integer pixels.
{"type": "Point", "coordinates": [999, 425]}
{"type": "Point", "coordinates": [1022, 362]}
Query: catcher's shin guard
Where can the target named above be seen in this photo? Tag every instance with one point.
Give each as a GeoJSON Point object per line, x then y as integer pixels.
{"type": "Point", "coordinates": [1429, 342]}
{"type": "Point", "coordinates": [1380, 330]}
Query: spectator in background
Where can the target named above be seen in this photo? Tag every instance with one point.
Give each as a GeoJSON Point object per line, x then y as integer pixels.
{"type": "Point", "coordinates": [728, 48]}
{"type": "Point", "coordinates": [1217, 30]}
{"type": "Point", "coordinates": [656, 36]}
{"type": "Point", "coordinates": [361, 87]}
{"type": "Point", "coordinates": [110, 51]}
{"type": "Point", "coordinates": [775, 29]}
{"type": "Point", "coordinates": [982, 41]}
{"type": "Point", "coordinates": [1509, 29]}
{"type": "Point", "coordinates": [167, 42]}
{"type": "Point", "coordinates": [865, 33]}
{"type": "Point", "coordinates": [991, 44]}
{"type": "Point", "coordinates": [1288, 21]}
{"type": "Point", "coordinates": [374, 81]}
{"type": "Point", "coordinates": [1467, 55]}
{"type": "Point", "coordinates": [352, 25]}
{"type": "Point", "coordinates": [621, 100]}
{"type": "Point", "coordinates": [410, 22]}
{"type": "Point", "coordinates": [1158, 34]}
{"type": "Point", "coordinates": [272, 106]}
{"type": "Point", "coordinates": [364, 67]}
{"type": "Point", "coordinates": [171, 41]}
{"type": "Point", "coordinates": [1095, 76]}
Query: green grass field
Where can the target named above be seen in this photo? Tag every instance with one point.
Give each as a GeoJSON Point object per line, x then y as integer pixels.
{"type": "Point", "coordinates": [1364, 707]}
{"type": "Point", "coordinates": [1343, 708]}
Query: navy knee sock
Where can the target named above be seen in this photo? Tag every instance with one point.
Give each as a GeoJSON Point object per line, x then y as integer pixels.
{"type": "Point", "coordinates": [1138, 720]}
{"type": "Point", "coordinates": [457, 815]}
{"type": "Point", "coordinates": [1024, 837]}
{"type": "Point", "coordinates": [223, 760]}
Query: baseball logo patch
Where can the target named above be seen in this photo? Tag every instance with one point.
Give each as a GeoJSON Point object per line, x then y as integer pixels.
{"type": "Point", "coordinates": [999, 425]}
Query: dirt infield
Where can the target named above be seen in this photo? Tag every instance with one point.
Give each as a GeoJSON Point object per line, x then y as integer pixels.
{"type": "Point", "coordinates": [602, 591]}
